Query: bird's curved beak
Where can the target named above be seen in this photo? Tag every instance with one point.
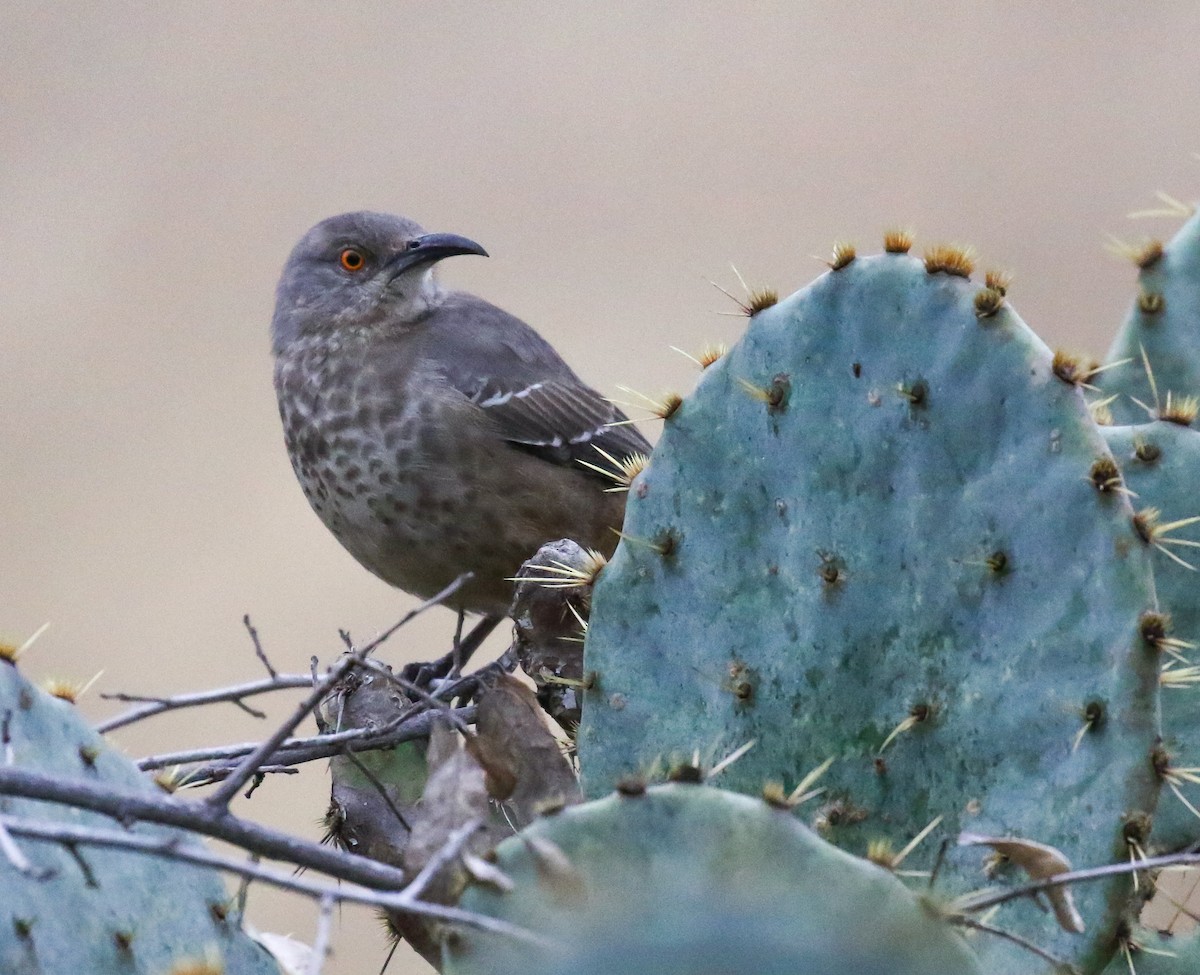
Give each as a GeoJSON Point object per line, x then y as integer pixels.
{"type": "Point", "coordinates": [429, 248]}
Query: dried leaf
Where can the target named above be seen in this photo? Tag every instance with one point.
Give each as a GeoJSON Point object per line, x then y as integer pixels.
{"type": "Point", "coordinates": [454, 795]}
{"type": "Point", "coordinates": [524, 762]}
{"type": "Point", "coordinates": [1040, 862]}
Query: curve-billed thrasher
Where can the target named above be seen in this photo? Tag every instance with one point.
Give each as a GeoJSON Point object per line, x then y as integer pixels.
{"type": "Point", "coordinates": [433, 432]}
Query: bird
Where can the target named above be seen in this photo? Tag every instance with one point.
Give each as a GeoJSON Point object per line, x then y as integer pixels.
{"type": "Point", "coordinates": [431, 431]}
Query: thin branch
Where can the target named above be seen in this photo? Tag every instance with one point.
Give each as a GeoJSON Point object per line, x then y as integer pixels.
{"type": "Point", "coordinates": [1016, 939]}
{"type": "Point", "coordinates": [320, 946]}
{"type": "Point", "coordinates": [20, 862]}
{"type": "Point", "coordinates": [258, 647]}
{"type": "Point", "coordinates": [249, 765]}
{"type": "Point", "coordinates": [379, 787]}
{"type": "Point", "coordinates": [200, 817]}
{"type": "Point", "coordinates": [235, 694]}
{"type": "Point", "coordinates": [297, 751]}
{"type": "Point", "coordinates": [174, 848]}
{"type": "Point", "coordinates": [262, 753]}
{"type": "Point", "coordinates": [986, 899]}
{"type": "Point", "coordinates": [450, 850]}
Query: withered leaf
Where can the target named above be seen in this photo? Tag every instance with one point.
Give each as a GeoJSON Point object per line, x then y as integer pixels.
{"type": "Point", "coordinates": [1040, 861]}
{"type": "Point", "coordinates": [524, 763]}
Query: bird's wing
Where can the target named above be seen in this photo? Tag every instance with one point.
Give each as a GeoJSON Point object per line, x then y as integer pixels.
{"type": "Point", "coordinates": [515, 376]}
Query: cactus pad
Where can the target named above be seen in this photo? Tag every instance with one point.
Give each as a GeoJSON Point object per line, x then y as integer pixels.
{"type": "Point", "coordinates": [876, 534]}
{"type": "Point", "coordinates": [685, 878]}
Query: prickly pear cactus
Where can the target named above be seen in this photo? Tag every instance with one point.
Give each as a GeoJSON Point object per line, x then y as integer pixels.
{"type": "Point", "coordinates": [878, 533]}
{"type": "Point", "coordinates": [110, 911]}
{"type": "Point", "coordinates": [1165, 322]}
{"type": "Point", "coordinates": [1160, 463]}
{"type": "Point", "coordinates": [1153, 953]}
{"type": "Point", "coordinates": [683, 879]}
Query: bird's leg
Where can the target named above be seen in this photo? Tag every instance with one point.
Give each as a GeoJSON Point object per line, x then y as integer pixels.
{"type": "Point", "coordinates": [456, 647]}
{"type": "Point", "coordinates": [464, 648]}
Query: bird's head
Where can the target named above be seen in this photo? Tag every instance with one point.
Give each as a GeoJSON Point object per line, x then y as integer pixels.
{"type": "Point", "coordinates": [359, 269]}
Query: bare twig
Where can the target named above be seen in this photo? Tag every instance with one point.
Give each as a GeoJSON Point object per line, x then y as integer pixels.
{"type": "Point", "coordinates": [20, 862]}
{"type": "Point", "coordinates": [249, 765]}
{"type": "Point", "coordinates": [200, 817]}
{"type": "Point", "coordinates": [986, 899]}
{"type": "Point", "coordinates": [174, 848]}
{"type": "Point", "coordinates": [234, 695]}
{"type": "Point", "coordinates": [320, 947]}
{"type": "Point", "coordinates": [1016, 939]}
{"type": "Point", "coordinates": [258, 647]}
{"type": "Point", "coordinates": [378, 786]}
{"type": "Point", "coordinates": [296, 751]}
{"type": "Point", "coordinates": [449, 851]}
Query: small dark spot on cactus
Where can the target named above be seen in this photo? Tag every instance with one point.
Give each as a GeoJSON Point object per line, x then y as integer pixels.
{"type": "Point", "coordinates": [666, 543]}
{"type": "Point", "coordinates": [838, 813]}
{"type": "Point", "coordinates": [988, 302]}
{"type": "Point", "coordinates": [897, 241]}
{"type": "Point", "coordinates": [1105, 475]}
{"type": "Point", "coordinates": [88, 755]}
{"type": "Point", "coordinates": [781, 507]}
{"type": "Point", "coordinates": [1151, 302]}
{"type": "Point", "coordinates": [881, 767]}
{"type": "Point", "coordinates": [24, 699]}
{"type": "Point", "coordinates": [617, 702]}
{"type": "Point", "coordinates": [921, 712]}
{"type": "Point", "coordinates": [23, 927]}
{"type": "Point", "coordinates": [1160, 760]}
{"type": "Point", "coordinates": [775, 396]}
{"type": "Point", "coordinates": [1071, 368]}
{"type": "Point", "coordinates": [453, 940]}
{"type": "Point", "coordinates": [1137, 827]}
{"type": "Point", "coordinates": [631, 786]}
{"type": "Point", "coordinates": [687, 773]}
{"type": "Point", "coordinates": [591, 680]}
{"type": "Point", "coordinates": [1149, 254]}
{"type": "Point", "coordinates": [1154, 627]}
{"type": "Point", "coordinates": [772, 569]}
{"type": "Point", "coordinates": [998, 281]}
{"type": "Point", "coordinates": [856, 369]}
{"type": "Point", "coordinates": [917, 393]}
{"type": "Point", "coordinates": [843, 255]}
{"type": "Point", "coordinates": [740, 682]}
{"type": "Point", "coordinates": [1144, 522]}
{"type": "Point", "coordinates": [775, 796]}
{"type": "Point", "coordinates": [997, 562]}
{"type": "Point", "coordinates": [1146, 451]}
{"type": "Point", "coordinates": [1181, 411]}
{"type": "Point", "coordinates": [490, 856]}
{"type": "Point", "coordinates": [219, 911]}
{"type": "Point", "coordinates": [950, 259]}
{"type": "Point", "coordinates": [641, 490]}
{"type": "Point", "coordinates": [123, 939]}
{"type": "Point", "coordinates": [1094, 715]}
{"type": "Point", "coordinates": [832, 569]}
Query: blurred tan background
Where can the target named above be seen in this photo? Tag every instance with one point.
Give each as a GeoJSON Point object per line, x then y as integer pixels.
{"type": "Point", "coordinates": [157, 162]}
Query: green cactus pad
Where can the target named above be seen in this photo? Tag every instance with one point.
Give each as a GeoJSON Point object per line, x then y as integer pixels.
{"type": "Point", "coordinates": [879, 510]}
{"type": "Point", "coordinates": [1153, 953]}
{"type": "Point", "coordinates": [143, 914]}
{"type": "Point", "coordinates": [684, 879]}
{"type": "Point", "coordinates": [1160, 463]}
{"type": "Point", "coordinates": [1165, 321]}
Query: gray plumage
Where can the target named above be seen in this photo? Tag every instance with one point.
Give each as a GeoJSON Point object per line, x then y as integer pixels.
{"type": "Point", "coordinates": [433, 432]}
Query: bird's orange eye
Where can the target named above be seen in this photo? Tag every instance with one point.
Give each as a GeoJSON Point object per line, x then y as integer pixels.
{"type": "Point", "coordinates": [352, 260]}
